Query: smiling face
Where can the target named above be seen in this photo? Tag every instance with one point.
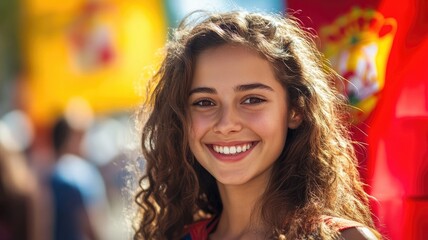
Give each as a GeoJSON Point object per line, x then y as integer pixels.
{"type": "Point", "coordinates": [238, 114]}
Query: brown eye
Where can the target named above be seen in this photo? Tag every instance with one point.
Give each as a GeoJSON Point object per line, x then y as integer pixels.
{"type": "Point", "coordinates": [253, 100]}
{"type": "Point", "coordinates": [203, 103]}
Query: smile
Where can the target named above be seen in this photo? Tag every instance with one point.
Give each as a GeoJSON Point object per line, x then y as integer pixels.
{"type": "Point", "coordinates": [231, 150]}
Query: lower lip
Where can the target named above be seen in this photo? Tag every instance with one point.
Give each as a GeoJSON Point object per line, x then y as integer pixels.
{"type": "Point", "coordinates": [232, 157]}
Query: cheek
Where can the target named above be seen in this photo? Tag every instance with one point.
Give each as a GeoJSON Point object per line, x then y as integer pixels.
{"type": "Point", "coordinates": [271, 123]}
{"type": "Point", "coordinates": [199, 125]}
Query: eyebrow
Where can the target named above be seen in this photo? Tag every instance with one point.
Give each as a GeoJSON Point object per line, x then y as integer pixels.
{"type": "Point", "coordinates": [239, 88]}
{"type": "Point", "coordinates": [252, 86]}
{"type": "Point", "coordinates": [203, 90]}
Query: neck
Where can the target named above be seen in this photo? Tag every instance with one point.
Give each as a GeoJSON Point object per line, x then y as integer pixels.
{"type": "Point", "coordinates": [240, 218]}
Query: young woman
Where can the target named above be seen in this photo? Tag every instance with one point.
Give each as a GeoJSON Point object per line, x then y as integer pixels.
{"type": "Point", "coordinates": [246, 138]}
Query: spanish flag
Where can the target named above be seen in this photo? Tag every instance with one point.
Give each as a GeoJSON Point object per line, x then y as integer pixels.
{"type": "Point", "coordinates": [102, 51]}
{"type": "Point", "coordinates": [381, 48]}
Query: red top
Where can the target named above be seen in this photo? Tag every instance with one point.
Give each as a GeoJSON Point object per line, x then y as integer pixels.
{"type": "Point", "coordinates": [201, 229]}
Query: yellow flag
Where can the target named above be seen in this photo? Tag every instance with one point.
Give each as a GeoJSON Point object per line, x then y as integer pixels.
{"type": "Point", "coordinates": [102, 51]}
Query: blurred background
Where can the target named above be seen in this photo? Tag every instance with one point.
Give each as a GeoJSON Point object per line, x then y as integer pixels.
{"type": "Point", "coordinates": [73, 74]}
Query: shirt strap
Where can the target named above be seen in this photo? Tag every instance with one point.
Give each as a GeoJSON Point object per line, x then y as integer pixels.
{"type": "Point", "coordinates": [340, 224]}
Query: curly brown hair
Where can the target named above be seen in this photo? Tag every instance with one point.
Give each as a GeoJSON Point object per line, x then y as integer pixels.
{"type": "Point", "coordinates": [316, 172]}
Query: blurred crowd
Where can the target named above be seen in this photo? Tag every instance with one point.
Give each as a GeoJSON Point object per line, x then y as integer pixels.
{"type": "Point", "coordinates": [76, 185]}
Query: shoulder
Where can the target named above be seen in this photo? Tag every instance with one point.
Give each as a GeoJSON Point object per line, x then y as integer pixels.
{"type": "Point", "coordinates": [350, 230]}
{"type": "Point", "coordinates": [358, 233]}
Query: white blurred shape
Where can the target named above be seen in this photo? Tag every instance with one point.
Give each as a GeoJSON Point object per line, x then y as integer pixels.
{"type": "Point", "coordinates": [78, 113]}
{"type": "Point", "coordinates": [16, 131]}
{"type": "Point", "coordinates": [103, 141]}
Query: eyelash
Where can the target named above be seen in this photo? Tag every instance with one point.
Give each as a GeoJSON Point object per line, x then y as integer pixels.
{"type": "Point", "coordinates": [258, 100]}
{"type": "Point", "coordinates": [203, 103]}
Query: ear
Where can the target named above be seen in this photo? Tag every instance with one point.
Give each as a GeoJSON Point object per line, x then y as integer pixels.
{"type": "Point", "coordinates": [294, 119]}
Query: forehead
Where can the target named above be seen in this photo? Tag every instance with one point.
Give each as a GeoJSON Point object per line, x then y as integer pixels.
{"type": "Point", "coordinates": [230, 63]}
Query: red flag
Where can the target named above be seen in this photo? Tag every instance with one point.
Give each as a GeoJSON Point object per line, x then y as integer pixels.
{"type": "Point", "coordinates": [398, 138]}
{"type": "Point", "coordinates": [395, 104]}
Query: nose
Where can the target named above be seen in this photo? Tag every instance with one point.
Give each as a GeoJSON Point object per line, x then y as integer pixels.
{"type": "Point", "coordinates": [228, 121]}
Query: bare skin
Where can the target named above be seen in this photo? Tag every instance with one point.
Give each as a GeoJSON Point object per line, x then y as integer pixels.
{"type": "Point", "coordinates": [238, 219]}
{"type": "Point", "coordinates": [358, 233]}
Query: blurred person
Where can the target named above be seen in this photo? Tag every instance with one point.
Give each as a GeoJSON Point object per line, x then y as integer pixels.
{"type": "Point", "coordinates": [19, 198]}
{"type": "Point", "coordinates": [77, 186]}
{"type": "Point", "coordinates": [107, 144]}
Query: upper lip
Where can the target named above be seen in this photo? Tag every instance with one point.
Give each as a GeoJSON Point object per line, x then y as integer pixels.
{"type": "Point", "coordinates": [234, 143]}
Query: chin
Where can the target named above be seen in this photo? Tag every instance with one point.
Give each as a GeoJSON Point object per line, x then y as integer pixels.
{"type": "Point", "coordinates": [232, 180]}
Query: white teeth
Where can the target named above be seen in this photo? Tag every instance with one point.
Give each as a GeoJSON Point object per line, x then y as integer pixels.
{"type": "Point", "coordinates": [228, 150]}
